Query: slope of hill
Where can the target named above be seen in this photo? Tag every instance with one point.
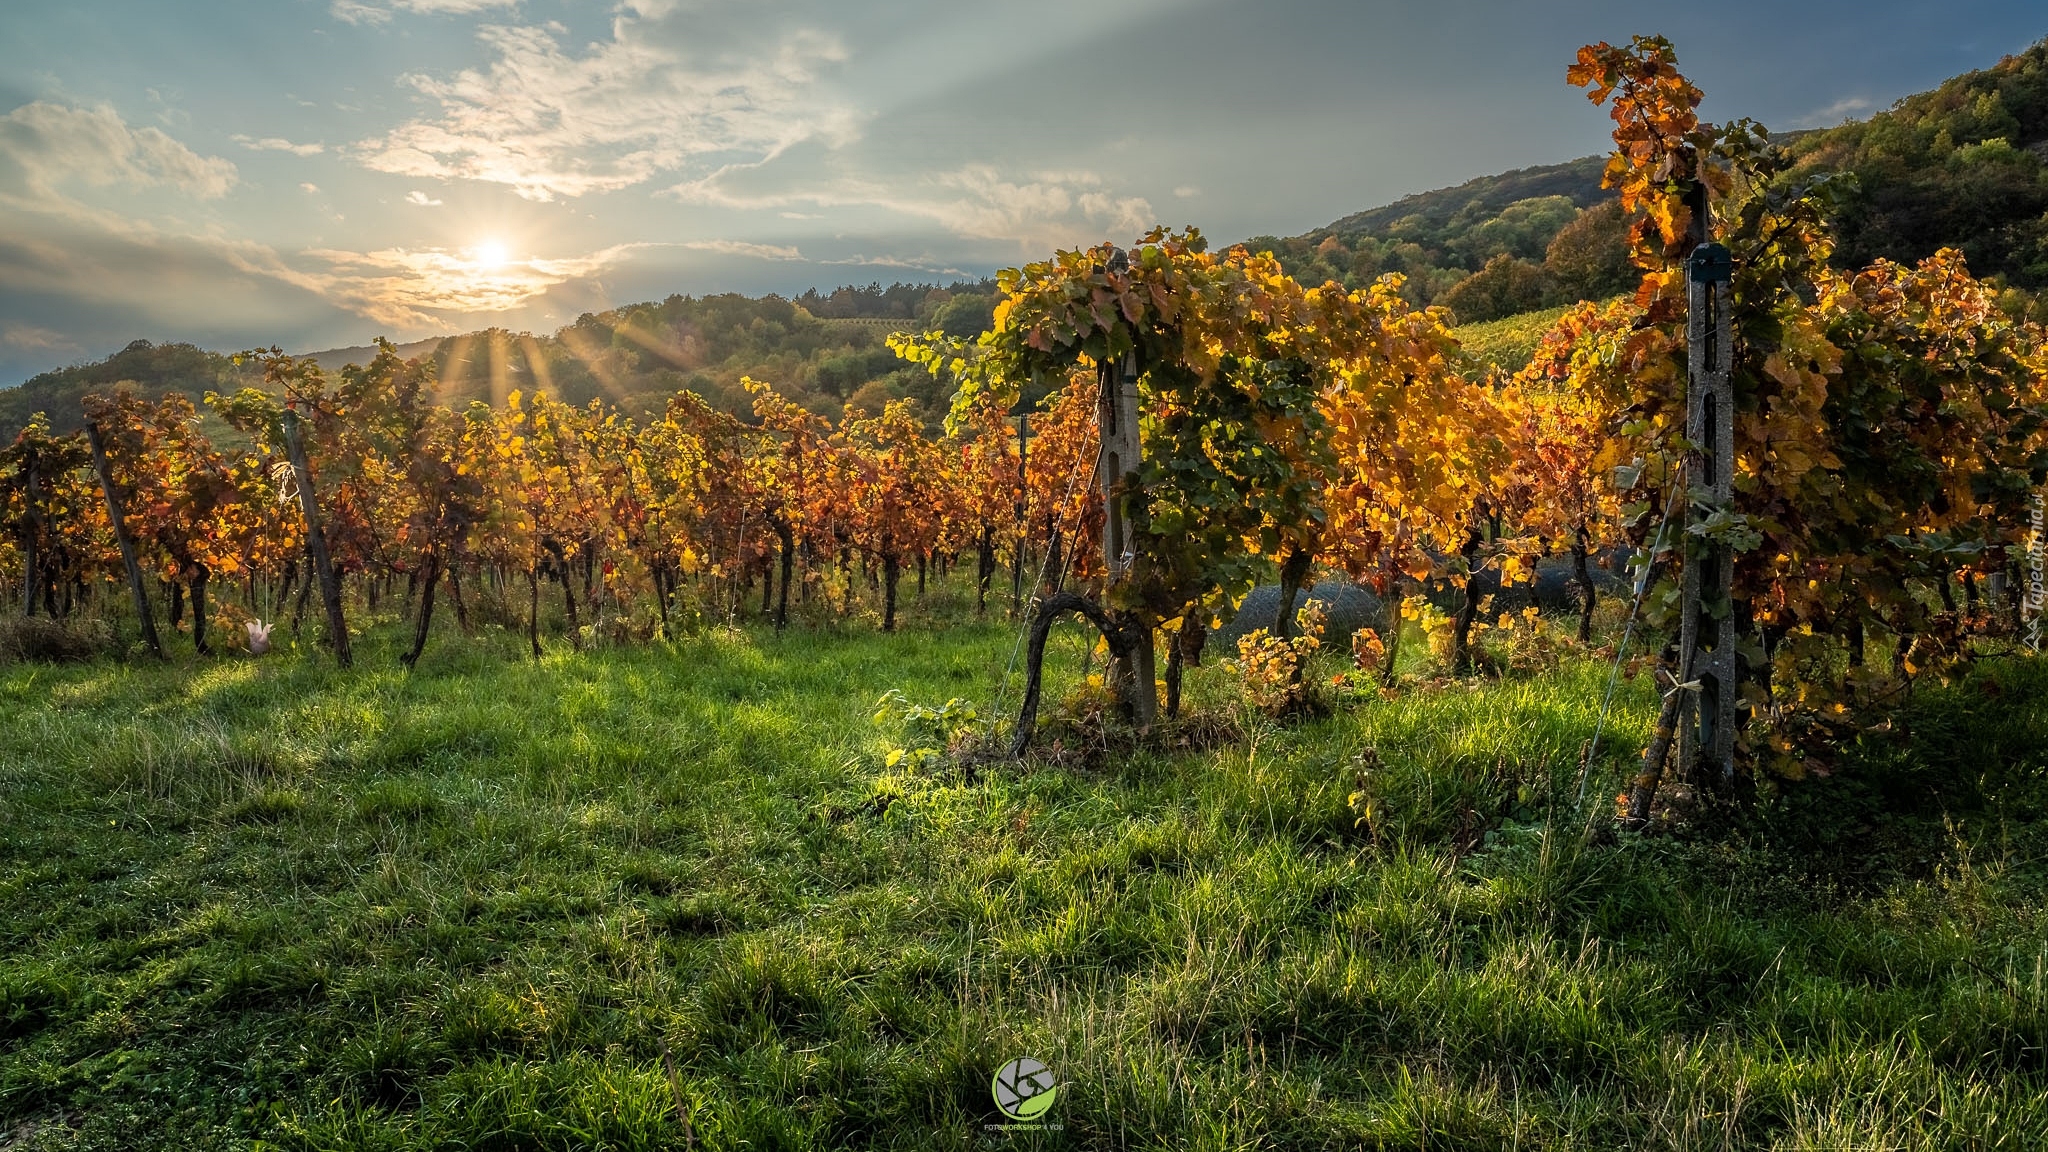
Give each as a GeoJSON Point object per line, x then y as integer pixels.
{"type": "Point", "coordinates": [1488, 248]}
{"type": "Point", "coordinates": [636, 356]}
{"type": "Point", "coordinates": [1481, 198]}
{"type": "Point", "coordinates": [156, 369]}
{"type": "Point", "coordinates": [334, 359]}
{"type": "Point", "coordinates": [1963, 166]}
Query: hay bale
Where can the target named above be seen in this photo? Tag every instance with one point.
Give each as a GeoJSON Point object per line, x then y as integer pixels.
{"type": "Point", "coordinates": [39, 639]}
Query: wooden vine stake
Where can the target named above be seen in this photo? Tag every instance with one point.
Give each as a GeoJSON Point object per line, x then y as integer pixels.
{"type": "Point", "coordinates": [316, 540]}
{"type": "Point", "coordinates": [1706, 640]}
{"type": "Point", "coordinates": [119, 523]}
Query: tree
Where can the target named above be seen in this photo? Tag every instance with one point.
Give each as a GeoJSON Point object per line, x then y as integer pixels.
{"type": "Point", "coordinates": [1506, 286]}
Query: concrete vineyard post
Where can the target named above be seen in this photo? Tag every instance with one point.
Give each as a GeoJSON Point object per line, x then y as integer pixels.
{"type": "Point", "coordinates": [118, 522]}
{"type": "Point", "coordinates": [1707, 649]}
{"type": "Point", "coordinates": [1121, 454]}
{"type": "Point", "coordinates": [316, 540]}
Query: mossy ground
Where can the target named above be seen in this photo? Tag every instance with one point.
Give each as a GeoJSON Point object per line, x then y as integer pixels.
{"type": "Point", "coordinates": [488, 904]}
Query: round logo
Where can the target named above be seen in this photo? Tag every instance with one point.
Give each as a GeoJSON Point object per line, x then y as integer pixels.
{"type": "Point", "coordinates": [1024, 1089]}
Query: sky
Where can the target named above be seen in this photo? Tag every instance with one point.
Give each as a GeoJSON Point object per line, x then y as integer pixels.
{"type": "Point", "coordinates": [313, 173]}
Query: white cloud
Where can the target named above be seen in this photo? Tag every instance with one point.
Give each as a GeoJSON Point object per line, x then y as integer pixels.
{"type": "Point", "coordinates": [309, 187]}
{"type": "Point", "coordinates": [1843, 109]}
{"type": "Point", "coordinates": [977, 201]}
{"type": "Point", "coordinates": [29, 338]}
{"type": "Point", "coordinates": [355, 12]}
{"type": "Point", "coordinates": [422, 199]}
{"type": "Point", "coordinates": [911, 264]}
{"type": "Point", "coordinates": [742, 248]}
{"type": "Point", "coordinates": [550, 123]}
{"type": "Point", "coordinates": [279, 144]}
{"type": "Point", "coordinates": [1186, 192]}
{"type": "Point", "coordinates": [46, 144]}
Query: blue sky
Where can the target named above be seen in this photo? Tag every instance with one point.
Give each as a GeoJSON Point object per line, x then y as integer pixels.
{"type": "Point", "coordinates": [312, 173]}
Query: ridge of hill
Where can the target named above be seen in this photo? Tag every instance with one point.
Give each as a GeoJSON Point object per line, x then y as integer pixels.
{"type": "Point", "coordinates": [335, 359]}
{"type": "Point", "coordinates": [1575, 180]}
{"type": "Point", "coordinates": [1964, 165]}
{"type": "Point", "coordinates": [827, 351]}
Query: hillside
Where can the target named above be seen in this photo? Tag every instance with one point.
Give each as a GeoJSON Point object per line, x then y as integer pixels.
{"type": "Point", "coordinates": [334, 359]}
{"type": "Point", "coordinates": [827, 351]}
{"type": "Point", "coordinates": [157, 368]}
{"type": "Point", "coordinates": [1489, 248]}
{"type": "Point", "coordinates": [1961, 166]}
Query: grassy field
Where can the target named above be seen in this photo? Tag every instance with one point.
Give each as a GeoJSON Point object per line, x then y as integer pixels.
{"type": "Point", "coordinates": [670, 896]}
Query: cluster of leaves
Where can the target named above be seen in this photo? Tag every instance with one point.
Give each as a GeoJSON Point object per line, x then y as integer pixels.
{"type": "Point", "coordinates": [1280, 425]}
{"type": "Point", "coordinates": [1270, 668]}
{"type": "Point", "coordinates": [928, 733]}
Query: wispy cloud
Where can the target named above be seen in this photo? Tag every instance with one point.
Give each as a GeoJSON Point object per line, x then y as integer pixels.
{"type": "Point", "coordinates": [29, 338]}
{"type": "Point", "coordinates": [279, 144]}
{"type": "Point", "coordinates": [421, 199]}
{"type": "Point", "coordinates": [356, 12]}
{"type": "Point", "coordinates": [1843, 109]}
{"type": "Point", "coordinates": [978, 201]}
{"type": "Point", "coordinates": [743, 248]}
{"type": "Point", "coordinates": [912, 264]}
{"type": "Point", "coordinates": [550, 123]}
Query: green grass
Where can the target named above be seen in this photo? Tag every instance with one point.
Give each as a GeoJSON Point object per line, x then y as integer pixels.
{"type": "Point", "coordinates": [484, 905]}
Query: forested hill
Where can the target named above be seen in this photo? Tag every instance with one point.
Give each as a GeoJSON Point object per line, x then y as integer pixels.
{"type": "Point", "coordinates": [1963, 166]}
{"type": "Point", "coordinates": [828, 351]}
{"type": "Point", "coordinates": [155, 368]}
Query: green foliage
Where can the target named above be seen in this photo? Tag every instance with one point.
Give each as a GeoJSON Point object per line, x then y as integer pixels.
{"type": "Point", "coordinates": [928, 733]}
{"type": "Point", "coordinates": [1507, 286]}
{"type": "Point", "coordinates": [154, 368]}
{"type": "Point", "coordinates": [1485, 259]}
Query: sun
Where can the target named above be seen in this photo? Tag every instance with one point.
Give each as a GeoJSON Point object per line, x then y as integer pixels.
{"type": "Point", "coordinates": [489, 255]}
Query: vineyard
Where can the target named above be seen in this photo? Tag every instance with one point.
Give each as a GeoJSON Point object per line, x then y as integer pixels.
{"type": "Point", "coordinates": [1891, 426]}
{"type": "Point", "coordinates": [533, 720]}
